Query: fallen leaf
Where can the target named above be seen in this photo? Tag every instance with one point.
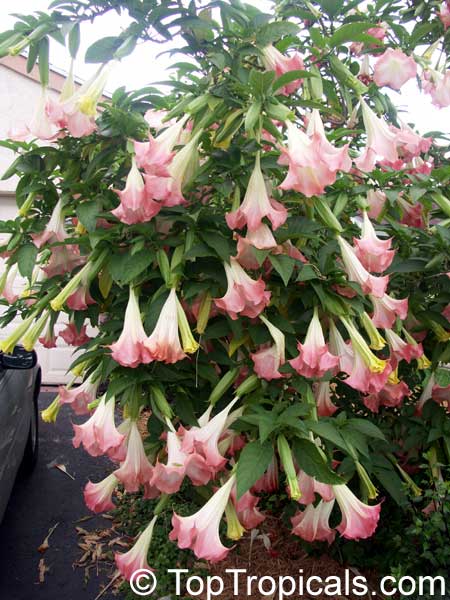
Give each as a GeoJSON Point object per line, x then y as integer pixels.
{"type": "Point", "coordinates": [45, 545]}
{"type": "Point", "coordinates": [43, 569]}
{"type": "Point", "coordinates": [63, 469]}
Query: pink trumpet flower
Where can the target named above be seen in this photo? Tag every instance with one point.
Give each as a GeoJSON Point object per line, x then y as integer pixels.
{"type": "Point", "coordinates": [98, 434]}
{"type": "Point", "coordinates": [7, 284]}
{"type": "Point", "coordinates": [387, 309]}
{"type": "Point", "coordinates": [164, 343]}
{"type": "Point", "coordinates": [136, 469]}
{"type": "Point", "coordinates": [204, 440]}
{"type": "Point", "coordinates": [81, 298]}
{"type": "Point", "coordinates": [41, 125]}
{"type": "Point", "coordinates": [168, 478]}
{"type": "Point", "coordinates": [81, 396]}
{"type": "Point", "coordinates": [381, 144]}
{"type": "Point", "coordinates": [63, 259]}
{"type": "Point", "coordinates": [98, 496]}
{"type": "Point", "coordinates": [130, 350]}
{"type": "Point", "coordinates": [322, 393]}
{"type": "Point", "coordinates": [268, 360]}
{"type": "Point", "coordinates": [200, 532]}
{"type": "Point", "coordinates": [54, 230]}
{"type": "Point", "coordinates": [257, 205]}
{"type": "Point", "coordinates": [359, 520]}
{"type": "Point", "coordinates": [72, 336]}
{"type": "Point", "coordinates": [343, 350]}
{"type": "Point", "coordinates": [136, 558]}
{"type": "Point", "coordinates": [391, 395]}
{"type": "Point", "coordinates": [444, 14]}
{"type": "Point", "coordinates": [155, 155]}
{"type": "Point", "coordinates": [314, 359]}
{"type": "Point", "coordinates": [309, 487]}
{"type": "Point", "coordinates": [357, 273]}
{"type": "Point", "coordinates": [246, 508]}
{"type": "Point", "coordinates": [313, 161]}
{"type": "Point", "coordinates": [374, 254]}
{"type": "Point", "coordinates": [244, 295]}
{"type": "Point", "coordinates": [376, 199]}
{"type": "Point", "coordinates": [273, 60]}
{"type": "Point", "coordinates": [394, 68]}
{"type": "Point", "coordinates": [269, 482]}
{"type": "Point", "coordinates": [141, 200]}
{"type": "Point", "coordinates": [438, 86]}
{"type": "Point", "coordinates": [402, 350]}
{"type": "Point", "coordinates": [262, 239]}
{"type": "Point", "coordinates": [312, 524]}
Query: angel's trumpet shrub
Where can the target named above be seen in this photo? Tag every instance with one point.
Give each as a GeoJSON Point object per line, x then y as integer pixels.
{"type": "Point", "coordinates": [136, 558]}
{"type": "Point", "coordinates": [98, 434]}
{"type": "Point", "coordinates": [268, 360]}
{"type": "Point", "coordinates": [246, 509]}
{"type": "Point", "coordinates": [381, 144]}
{"type": "Point", "coordinates": [7, 282]}
{"type": "Point", "coordinates": [322, 394]}
{"type": "Point", "coordinates": [244, 295]}
{"type": "Point", "coordinates": [204, 440]}
{"type": "Point", "coordinates": [131, 349]}
{"type": "Point", "coordinates": [164, 343]}
{"type": "Point", "coordinates": [155, 155]}
{"type": "Point", "coordinates": [312, 524]}
{"type": "Point", "coordinates": [357, 273]}
{"type": "Point", "coordinates": [309, 487]}
{"type": "Point", "coordinates": [81, 396]}
{"type": "Point", "coordinates": [394, 68]}
{"type": "Point", "coordinates": [257, 205]}
{"type": "Point", "coordinates": [168, 478]}
{"type": "Point", "coordinates": [386, 310]}
{"type": "Point", "coordinates": [401, 350]}
{"type": "Point", "coordinates": [41, 125]}
{"type": "Point", "coordinates": [359, 520]}
{"type": "Point", "coordinates": [374, 254]}
{"type": "Point", "coordinates": [274, 60]}
{"type": "Point", "coordinates": [200, 532]}
{"type": "Point", "coordinates": [313, 162]}
{"type": "Point", "coordinates": [314, 359]}
{"type": "Point", "coordinates": [136, 469]}
{"type": "Point", "coordinates": [54, 230]}
{"type": "Point", "coordinates": [369, 373]}
{"type": "Point", "coordinates": [98, 496]}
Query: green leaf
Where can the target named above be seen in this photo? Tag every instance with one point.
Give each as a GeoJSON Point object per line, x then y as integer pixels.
{"type": "Point", "coordinates": [307, 272]}
{"type": "Point", "coordinates": [252, 116]}
{"type": "Point", "coordinates": [218, 243]}
{"type": "Point", "coordinates": [253, 462]}
{"type": "Point", "coordinates": [367, 428]}
{"type": "Point", "coordinates": [347, 32]}
{"type": "Point", "coordinates": [274, 31]}
{"type": "Point", "coordinates": [283, 265]}
{"type": "Point", "coordinates": [443, 377]}
{"type": "Point", "coordinates": [26, 259]}
{"type": "Point", "coordinates": [289, 77]}
{"type": "Point", "coordinates": [87, 212]}
{"type": "Point", "coordinates": [103, 50]}
{"type": "Point", "coordinates": [125, 267]}
{"type": "Point", "coordinates": [311, 461]}
{"type": "Point", "coordinates": [74, 40]}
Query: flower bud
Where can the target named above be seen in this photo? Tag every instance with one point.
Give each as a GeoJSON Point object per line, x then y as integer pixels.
{"type": "Point", "coordinates": [288, 465]}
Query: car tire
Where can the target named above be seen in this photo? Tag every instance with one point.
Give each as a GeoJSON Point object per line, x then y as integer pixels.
{"type": "Point", "coordinates": [32, 448]}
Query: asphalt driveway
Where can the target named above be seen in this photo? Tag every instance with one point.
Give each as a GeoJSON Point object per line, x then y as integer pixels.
{"type": "Point", "coordinates": [48, 497]}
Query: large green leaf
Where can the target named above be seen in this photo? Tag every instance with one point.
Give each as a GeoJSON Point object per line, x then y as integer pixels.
{"type": "Point", "coordinates": [253, 462]}
{"type": "Point", "coordinates": [26, 259]}
{"type": "Point", "coordinates": [310, 460]}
